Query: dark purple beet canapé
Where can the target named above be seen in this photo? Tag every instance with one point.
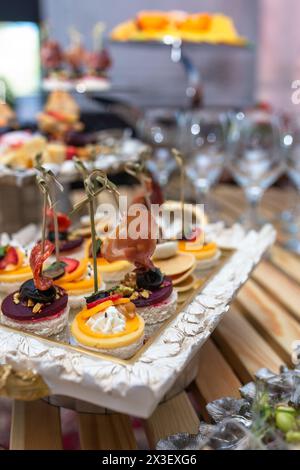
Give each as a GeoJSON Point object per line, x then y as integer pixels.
{"type": "Point", "coordinates": [21, 312]}
{"type": "Point", "coordinates": [156, 296]}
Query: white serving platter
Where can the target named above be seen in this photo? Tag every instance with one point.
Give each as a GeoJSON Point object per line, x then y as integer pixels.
{"type": "Point", "coordinates": [137, 386]}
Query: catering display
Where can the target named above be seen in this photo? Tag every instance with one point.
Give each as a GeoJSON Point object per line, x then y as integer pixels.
{"type": "Point", "coordinates": [61, 137]}
{"type": "Point", "coordinates": [195, 27]}
{"type": "Point", "coordinates": [121, 346]}
{"type": "Point", "coordinates": [76, 68]}
{"type": "Point", "coordinates": [96, 311]}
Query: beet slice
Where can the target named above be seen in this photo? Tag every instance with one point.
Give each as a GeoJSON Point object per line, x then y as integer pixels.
{"type": "Point", "coordinates": [21, 312]}
{"type": "Point", "coordinates": [157, 295]}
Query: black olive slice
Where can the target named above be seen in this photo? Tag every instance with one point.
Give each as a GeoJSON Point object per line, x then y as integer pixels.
{"type": "Point", "coordinates": [55, 270]}
{"type": "Point", "coordinates": [150, 279]}
{"type": "Point", "coordinates": [29, 291]}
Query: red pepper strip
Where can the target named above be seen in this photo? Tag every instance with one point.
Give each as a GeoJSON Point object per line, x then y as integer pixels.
{"type": "Point", "coordinates": [100, 301]}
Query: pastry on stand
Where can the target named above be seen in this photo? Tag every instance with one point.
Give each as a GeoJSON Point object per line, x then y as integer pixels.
{"type": "Point", "coordinates": [109, 322]}
{"type": "Point", "coordinates": [112, 273]}
{"type": "Point", "coordinates": [147, 287]}
{"type": "Point", "coordinates": [76, 278]}
{"type": "Point", "coordinates": [52, 58]}
{"type": "Point", "coordinates": [61, 115]}
{"type": "Point", "coordinates": [207, 254]}
{"type": "Point", "coordinates": [177, 266]}
{"type": "Point", "coordinates": [191, 239]}
{"type": "Point", "coordinates": [38, 306]}
{"type": "Point", "coordinates": [110, 325]}
{"type": "Point", "coordinates": [14, 266]}
{"type": "Point", "coordinates": [97, 62]}
{"type": "Point", "coordinates": [68, 242]}
{"type": "Point", "coordinates": [75, 54]}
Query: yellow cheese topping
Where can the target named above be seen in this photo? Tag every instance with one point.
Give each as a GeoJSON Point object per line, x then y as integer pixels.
{"type": "Point", "coordinates": [106, 266]}
{"type": "Point", "coordinates": [75, 275]}
{"type": "Point", "coordinates": [204, 252]}
{"type": "Point", "coordinates": [77, 283]}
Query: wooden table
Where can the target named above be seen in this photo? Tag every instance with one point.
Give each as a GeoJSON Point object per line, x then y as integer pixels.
{"type": "Point", "coordinates": [257, 332]}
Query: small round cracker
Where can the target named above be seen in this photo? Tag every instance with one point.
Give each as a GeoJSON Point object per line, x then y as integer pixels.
{"type": "Point", "coordinates": [178, 264]}
{"type": "Point", "coordinates": [186, 285]}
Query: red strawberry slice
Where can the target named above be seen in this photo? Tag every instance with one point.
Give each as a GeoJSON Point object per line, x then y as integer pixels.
{"type": "Point", "coordinates": [63, 220]}
{"type": "Point", "coordinates": [71, 264]}
{"type": "Point", "coordinates": [71, 152]}
{"type": "Point", "coordinates": [100, 301]}
{"type": "Point", "coordinates": [10, 257]}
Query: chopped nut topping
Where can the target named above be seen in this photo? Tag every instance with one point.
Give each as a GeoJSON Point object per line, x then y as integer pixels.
{"type": "Point", "coordinates": [30, 303]}
{"type": "Point", "coordinates": [37, 308]}
{"type": "Point", "coordinates": [145, 294]}
{"type": "Point", "coordinates": [16, 298]}
{"type": "Point", "coordinates": [134, 296]}
{"type": "Point", "coordinates": [125, 290]}
{"type": "Point", "coordinates": [130, 280]}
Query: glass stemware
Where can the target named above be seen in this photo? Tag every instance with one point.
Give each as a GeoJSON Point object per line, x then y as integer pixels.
{"type": "Point", "coordinates": [203, 141]}
{"type": "Point", "coordinates": [159, 128]}
{"type": "Point", "coordinates": [255, 158]}
{"type": "Point", "coordinates": [292, 145]}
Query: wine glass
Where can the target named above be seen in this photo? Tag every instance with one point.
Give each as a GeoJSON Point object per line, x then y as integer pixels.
{"type": "Point", "coordinates": [159, 128]}
{"type": "Point", "coordinates": [256, 158]}
{"type": "Point", "coordinates": [292, 145]}
{"type": "Point", "coordinates": [203, 141]}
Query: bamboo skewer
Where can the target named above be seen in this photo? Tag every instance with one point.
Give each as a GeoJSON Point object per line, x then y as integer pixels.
{"type": "Point", "coordinates": [94, 184]}
{"type": "Point", "coordinates": [45, 179]}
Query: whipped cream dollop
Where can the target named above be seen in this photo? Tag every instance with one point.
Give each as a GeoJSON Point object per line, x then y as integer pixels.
{"type": "Point", "coordinates": [109, 321]}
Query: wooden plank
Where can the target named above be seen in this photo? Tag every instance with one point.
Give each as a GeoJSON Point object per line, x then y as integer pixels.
{"type": "Point", "coordinates": [228, 211]}
{"type": "Point", "coordinates": [243, 347]}
{"type": "Point", "coordinates": [283, 289]}
{"type": "Point", "coordinates": [279, 199]}
{"type": "Point", "coordinates": [215, 378]}
{"type": "Point", "coordinates": [106, 432]}
{"type": "Point", "coordinates": [239, 203]}
{"type": "Point", "coordinates": [270, 319]}
{"type": "Point", "coordinates": [287, 262]}
{"type": "Point", "coordinates": [173, 416]}
{"type": "Point", "coordinates": [35, 425]}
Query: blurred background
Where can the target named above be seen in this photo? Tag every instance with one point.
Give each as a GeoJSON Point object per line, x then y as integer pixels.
{"type": "Point", "coordinates": [264, 73]}
{"type": "Point", "coordinates": [227, 107]}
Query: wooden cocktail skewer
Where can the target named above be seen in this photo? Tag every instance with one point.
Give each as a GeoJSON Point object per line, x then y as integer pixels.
{"type": "Point", "coordinates": [45, 179]}
{"type": "Point", "coordinates": [94, 184]}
